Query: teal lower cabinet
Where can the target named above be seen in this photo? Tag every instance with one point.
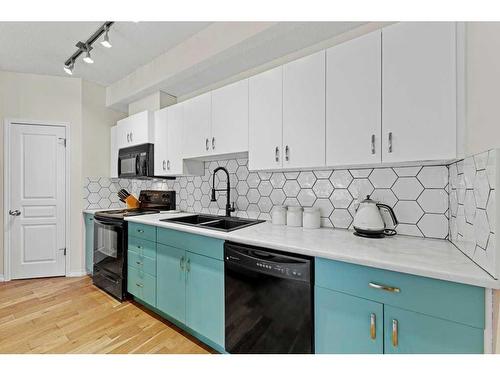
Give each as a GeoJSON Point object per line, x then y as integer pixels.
{"type": "Point", "coordinates": [189, 279]}
{"type": "Point", "coordinates": [171, 281]}
{"type": "Point", "coordinates": [347, 324]}
{"type": "Point", "coordinates": [205, 296]}
{"type": "Point", "coordinates": [89, 243]}
{"type": "Point", "coordinates": [361, 309]}
{"type": "Point", "coordinates": [410, 332]}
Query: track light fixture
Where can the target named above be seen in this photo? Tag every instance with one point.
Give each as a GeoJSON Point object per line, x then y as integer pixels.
{"type": "Point", "coordinates": [69, 68]}
{"type": "Point", "coordinates": [86, 47]}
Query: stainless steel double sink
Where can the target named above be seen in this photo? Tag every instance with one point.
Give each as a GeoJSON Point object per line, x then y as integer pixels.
{"type": "Point", "coordinates": [215, 222]}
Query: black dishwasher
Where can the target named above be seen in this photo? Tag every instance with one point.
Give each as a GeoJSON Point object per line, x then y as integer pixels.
{"type": "Point", "coordinates": [268, 301]}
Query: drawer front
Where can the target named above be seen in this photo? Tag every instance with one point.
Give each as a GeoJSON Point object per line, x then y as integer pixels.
{"type": "Point", "coordinates": [145, 232]}
{"type": "Point", "coordinates": [141, 285]}
{"type": "Point", "coordinates": [142, 263]}
{"type": "Point", "coordinates": [142, 247]}
{"type": "Point", "coordinates": [207, 246]}
{"type": "Point", "coordinates": [452, 301]}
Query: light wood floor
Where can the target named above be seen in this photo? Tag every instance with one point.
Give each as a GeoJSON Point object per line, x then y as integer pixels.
{"type": "Point", "coordinates": [70, 315]}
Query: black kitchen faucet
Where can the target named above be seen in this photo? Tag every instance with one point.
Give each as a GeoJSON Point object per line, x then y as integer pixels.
{"type": "Point", "coordinates": [229, 208]}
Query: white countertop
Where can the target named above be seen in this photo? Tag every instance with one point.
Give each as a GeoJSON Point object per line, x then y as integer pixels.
{"type": "Point", "coordinates": [438, 259]}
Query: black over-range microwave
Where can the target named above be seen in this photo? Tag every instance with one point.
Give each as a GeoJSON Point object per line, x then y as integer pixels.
{"type": "Point", "coordinates": [136, 161]}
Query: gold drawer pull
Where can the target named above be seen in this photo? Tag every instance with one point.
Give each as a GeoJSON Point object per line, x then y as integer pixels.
{"type": "Point", "coordinates": [394, 333]}
{"type": "Point", "coordinates": [373, 326]}
{"type": "Point", "coordinates": [391, 289]}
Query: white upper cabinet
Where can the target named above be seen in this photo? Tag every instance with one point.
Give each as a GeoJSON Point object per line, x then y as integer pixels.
{"type": "Point", "coordinates": [353, 101]}
{"type": "Point", "coordinates": [230, 118]}
{"type": "Point", "coordinates": [419, 91]}
{"type": "Point", "coordinates": [135, 130]}
{"type": "Point", "coordinates": [304, 112]}
{"type": "Point", "coordinates": [265, 144]}
{"type": "Point", "coordinates": [168, 158]}
{"type": "Point", "coordinates": [113, 167]}
{"type": "Point", "coordinates": [197, 123]}
{"type": "Point", "coordinates": [161, 139]}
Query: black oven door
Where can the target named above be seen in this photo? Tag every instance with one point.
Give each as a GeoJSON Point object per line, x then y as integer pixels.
{"type": "Point", "coordinates": [110, 242]}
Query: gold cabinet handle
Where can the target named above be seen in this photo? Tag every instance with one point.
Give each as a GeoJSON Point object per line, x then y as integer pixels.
{"type": "Point", "coordinates": [188, 265]}
{"type": "Point", "coordinates": [181, 263]}
{"type": "Point", "coordinates": [373, 326]}
{"type": "Point", "coordinates": [394, 333]}
{"type": "Point", "coordinates": [139, 285]}
{"type": "Point", "coordinates": [387, 288]}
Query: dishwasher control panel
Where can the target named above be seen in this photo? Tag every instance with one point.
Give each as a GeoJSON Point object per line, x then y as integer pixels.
{"type": "Point", "coordinates": [274, 264]}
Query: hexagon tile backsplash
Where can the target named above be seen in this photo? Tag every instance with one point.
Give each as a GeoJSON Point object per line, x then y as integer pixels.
{"type": "Point", "coordinates": [473, 208]}
{"type": "Point", "coordinates": [419, 195]}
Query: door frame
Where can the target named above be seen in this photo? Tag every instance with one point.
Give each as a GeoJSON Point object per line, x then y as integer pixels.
{"type": "Point", "coordinates": [8, 122]}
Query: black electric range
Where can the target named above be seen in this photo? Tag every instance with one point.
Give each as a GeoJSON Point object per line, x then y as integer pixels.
{"type": "Point", "coordinates": [111, 240]}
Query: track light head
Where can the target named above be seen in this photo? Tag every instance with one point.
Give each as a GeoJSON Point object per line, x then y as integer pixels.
{"type": "Point", "coordinates": [105, 42]}
{"type": "Point", "coordinates": [88, 59]}
{"type": "Point", "coordinates": [69, 68]}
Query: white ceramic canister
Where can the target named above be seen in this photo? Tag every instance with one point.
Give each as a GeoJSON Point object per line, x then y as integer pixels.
{"type": "Point", "coordinates": [294, 217]}
{"type": "Point", "coordinates": [279, 215]}
{"type": "Point", "coordinates": [312, 218]}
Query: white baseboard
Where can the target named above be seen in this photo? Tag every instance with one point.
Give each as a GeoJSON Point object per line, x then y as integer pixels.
{"type": "Point", "coordinates": [1, 278]}
{"type": "Point", "coordinates": [76, 273]}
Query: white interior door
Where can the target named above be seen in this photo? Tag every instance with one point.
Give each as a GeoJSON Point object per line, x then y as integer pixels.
{"type": "Point", "coordinates": [37, 201]}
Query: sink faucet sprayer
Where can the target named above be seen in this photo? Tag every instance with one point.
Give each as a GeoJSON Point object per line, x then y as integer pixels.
{"type": "Point", "coordinates": [229, 208]}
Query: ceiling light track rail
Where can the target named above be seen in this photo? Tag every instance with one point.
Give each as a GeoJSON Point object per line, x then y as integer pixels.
{"type": "Point", "coordinates": [86, 47]}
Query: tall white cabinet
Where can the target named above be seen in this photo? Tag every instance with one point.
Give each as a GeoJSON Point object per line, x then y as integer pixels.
{"type": "Point", "coordinates": [265, 129]}
{"type": "Point", "coordinates": [304, 112]}
{"type": "Point", "coordinates": [197, 122]}
{"type": "Point", "coordinates": [353, 101]}
{"type": "Point", "coordinates": [419, 91]}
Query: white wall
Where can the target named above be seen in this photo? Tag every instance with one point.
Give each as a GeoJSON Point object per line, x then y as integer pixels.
{"type": "Point", "coordinates": [70, 100]}
{"type": "Point", "coordinates": [96, 122]}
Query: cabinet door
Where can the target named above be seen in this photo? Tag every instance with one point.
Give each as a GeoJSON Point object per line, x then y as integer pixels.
{"type": "Point", "coordinates": [353, 101]}
{"type": "Point", "coordinates": [89, 243]}
{"type": "Point", "coordinates": [113, 167]}
{"type": "Point", "coordinates": [304, 112]}
{"type": "Point", "coordinates": [230, 118]}
{"type": "Point", "coordinates": [205, 297]}
{"type": "Point", "coordinates": [197, 126]}
{"type": "Point", "coordinates": [123, 128]}
{"type": "Point", "coordinates": [265, 128]}
{"type": "Point", "coordinates": [174, 144]}
{"type": "Point", "coordinates": [346, 324]}
{"type": "Point", "coordinates": [141, 128]}
{"type": "Point", "coordinates": [419, 91]}
{"type": "Point", "coordinates": [161, 141]}
{"type": "Point", "coordinates": [171, 282]}
{"type": "Point", "coordinates": [408, 332]}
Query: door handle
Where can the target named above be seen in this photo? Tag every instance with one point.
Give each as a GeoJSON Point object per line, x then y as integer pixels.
{"type": "Point", "coordinates": [373, 144]}
{"type": "Point", "coordinates": [168, 164]}
{"type": "Point", "coordinates": [181, 263]}
{"type": "Point", "coordinates": [164, 165]}
{"type": "Point", "coordinates": [390, 142]}
{"type": "Point", "coordinates": [128, 137]}
{"type": "Point", "coordinates": [131, 136]}
{"type": "Point", "coordinates": [14, 212]}
{"type": "Point", "coordinates": [395, 333]}
{"type": "Point", "coordinates": [387, 288]}
{"type": "Point", "coordinates": [206, 144]}
{"type": "Point", "coordinates": [287, 151]}
{"type": "Point", "coordinates": [373, 326]}
{"type": "Point", "coordinates": [277, 154]}
{"type": "Point", "coordinates": [213, 143]}
{"type": "Point", "coordinates": [188, 265]}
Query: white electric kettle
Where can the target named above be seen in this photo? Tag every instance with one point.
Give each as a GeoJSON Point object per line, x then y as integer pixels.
{"type": "Point", "coordinates": [368, 221]}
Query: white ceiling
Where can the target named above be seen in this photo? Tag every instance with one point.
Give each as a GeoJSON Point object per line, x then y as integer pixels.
{"type": "Point", "coordinates": [43, 47]}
